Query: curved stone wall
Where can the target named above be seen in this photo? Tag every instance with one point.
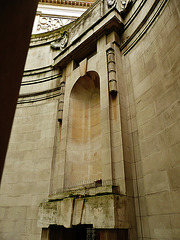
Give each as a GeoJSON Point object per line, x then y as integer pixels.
{"type": "Point", "coordinates": [138, 143]}
{"type": "Point", "coordinates": [151, 73]}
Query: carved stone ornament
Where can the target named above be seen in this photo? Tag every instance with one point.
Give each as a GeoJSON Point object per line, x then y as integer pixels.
{"type": "Point", "coordinates": [111, 3]}
{"type": "Point", "coordinates": [61, 43]}
{"type": "Point", "coordinates": [125, 4]}
{"type": "Point", "coordinates": [111, 67]}
{"type": "Point", "coordinates": [51, 23]}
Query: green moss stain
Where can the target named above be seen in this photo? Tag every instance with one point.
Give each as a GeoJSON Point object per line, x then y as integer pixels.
{"type": "Point", "coordinates": [52, 33]}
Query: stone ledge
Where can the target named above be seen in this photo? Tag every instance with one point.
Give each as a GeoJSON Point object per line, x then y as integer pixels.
{"type": "Point", "coordinates": [83, 192]}
{"type": "Point", "coordinates": [100, 211]}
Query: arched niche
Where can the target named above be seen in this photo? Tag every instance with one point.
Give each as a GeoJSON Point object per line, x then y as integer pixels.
{"type": "Point", "coordinates": [83, 156]}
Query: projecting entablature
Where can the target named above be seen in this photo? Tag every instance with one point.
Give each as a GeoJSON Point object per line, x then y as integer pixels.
{"type": "Point", "coordinates": [84, 33]}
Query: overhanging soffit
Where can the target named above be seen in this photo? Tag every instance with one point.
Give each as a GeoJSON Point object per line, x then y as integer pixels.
{"type": "Point", "coordinates": [111, 21]}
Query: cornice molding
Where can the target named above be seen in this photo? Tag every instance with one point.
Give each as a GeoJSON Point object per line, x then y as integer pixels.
{"type": "Point", "coordinates": [69, 2]}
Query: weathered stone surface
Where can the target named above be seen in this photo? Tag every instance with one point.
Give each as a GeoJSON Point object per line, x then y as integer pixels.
{"type": "Point", "coordinates": [96, 210]}
{"type": "Point", "coordinates": [112, 161]}
{"type": "Point", "coordinates": [47, 214]}
{"type": "Point", "coordinates": [78, 211]}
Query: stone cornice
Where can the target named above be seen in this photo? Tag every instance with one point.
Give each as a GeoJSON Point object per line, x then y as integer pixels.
{"type": "Point", "coordinates": [111, 21]}
{"type": "Point", "coordinates": [81, 3]}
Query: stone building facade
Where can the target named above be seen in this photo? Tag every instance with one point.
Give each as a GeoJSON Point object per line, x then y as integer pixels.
{"type": "Point", "coordinates": [54, 14]}
{"type": "Point", "coordinates": [95, 146]}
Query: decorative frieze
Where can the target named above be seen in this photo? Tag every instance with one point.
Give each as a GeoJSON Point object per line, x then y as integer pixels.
{"type": "Point", "coordinates": [111, 67]}
{"type": "Point", "coordinates": [69, 2]}
{"type": "Point", "coordinates": [46, 24]}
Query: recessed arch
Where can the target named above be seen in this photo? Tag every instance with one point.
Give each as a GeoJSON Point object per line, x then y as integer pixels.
{"type": "Point", "coordinates": [83, 156]}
